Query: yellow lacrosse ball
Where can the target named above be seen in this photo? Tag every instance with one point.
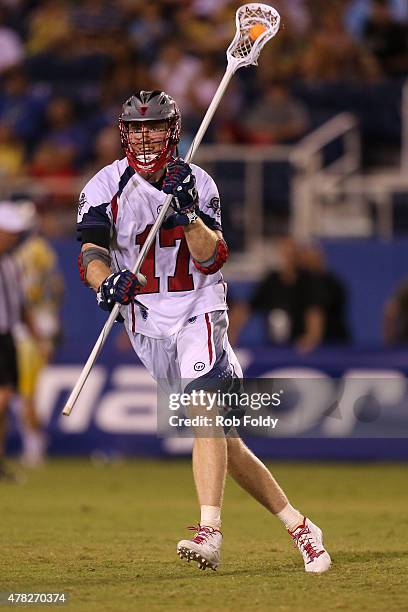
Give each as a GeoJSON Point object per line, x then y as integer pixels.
{"type": "Point", "coordinates": [256, 31]}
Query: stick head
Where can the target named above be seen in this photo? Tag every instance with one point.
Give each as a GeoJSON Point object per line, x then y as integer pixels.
{"type": "Point", "coordinates": [256, 24]}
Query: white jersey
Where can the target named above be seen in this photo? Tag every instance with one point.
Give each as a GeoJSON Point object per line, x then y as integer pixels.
{"type": "Point", "coordinates": [118, 198]}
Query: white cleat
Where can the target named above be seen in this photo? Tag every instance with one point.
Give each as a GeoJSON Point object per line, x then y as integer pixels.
{"type": "Point", "coordinates": [308, 538]}
{"type": "Point", "coordinates": [204, 548]}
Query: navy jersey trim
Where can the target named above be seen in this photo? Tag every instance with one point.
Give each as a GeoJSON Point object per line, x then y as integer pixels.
{"type": "Point", "coordinates": [97, 216]}
{"type": "Point", "coordinates": [210, 221]}
{"type": "Point", "coordinates": [124, 179]}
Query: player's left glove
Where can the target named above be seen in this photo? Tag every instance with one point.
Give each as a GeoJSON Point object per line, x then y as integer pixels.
{"type": "Point", "coordinates": [180, 182]}
{"type": "Point", "coordinates": [118, 287]}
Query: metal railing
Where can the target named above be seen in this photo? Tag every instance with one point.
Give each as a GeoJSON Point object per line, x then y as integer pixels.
{"type": "Point", "coordinates": [254, 159]}
{"type": "Point", "coordinates": [313, 178]}
{"type": "Point", "coordinates": [338, 199]}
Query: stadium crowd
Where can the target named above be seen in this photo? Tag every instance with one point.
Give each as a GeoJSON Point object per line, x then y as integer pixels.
{"type": "Point", "coordinates": [67, 66]}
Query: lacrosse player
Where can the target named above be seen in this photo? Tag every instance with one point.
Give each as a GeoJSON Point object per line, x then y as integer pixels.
{"type": "Point", "coordinates": [177, 322]}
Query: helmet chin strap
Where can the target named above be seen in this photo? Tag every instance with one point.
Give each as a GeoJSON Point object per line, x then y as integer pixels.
{"type": "Point", "coordinates": [148, 167]}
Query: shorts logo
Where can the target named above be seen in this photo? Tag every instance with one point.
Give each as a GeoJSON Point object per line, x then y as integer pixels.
{"type": "Point", "coordinates": [159, 208]}
{"type": "Point", "coordinates": [199, 366]}
{"type": "Point", "coordinates": [192, 320]}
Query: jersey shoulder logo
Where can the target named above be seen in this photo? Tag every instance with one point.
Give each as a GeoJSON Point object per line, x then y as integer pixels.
{"type": "Point", "coordinates": [215, 205]}
{"type": "Point", "coordinates": [82, 202]}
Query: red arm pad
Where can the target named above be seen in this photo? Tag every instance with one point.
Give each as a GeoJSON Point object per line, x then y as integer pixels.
{"type": "Point", "coordinates": [81, 269]}
{"type": "Point", "coordinates": [217, 260]}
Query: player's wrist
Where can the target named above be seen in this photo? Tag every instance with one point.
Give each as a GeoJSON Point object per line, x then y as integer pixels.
{"type": "Point", "coordinates": [194, 226]}
{"type": "Point", "coordinates": [191, 216]}
{"type": "Point", "coordinates": [95, 282]}
{"type": "Point", "coordinates": [96, 273]}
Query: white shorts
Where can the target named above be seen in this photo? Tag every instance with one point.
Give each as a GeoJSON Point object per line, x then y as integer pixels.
{"type": "Point", "coordinates": [199, 350]}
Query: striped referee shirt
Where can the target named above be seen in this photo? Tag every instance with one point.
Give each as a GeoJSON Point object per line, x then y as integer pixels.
{"type": "Point", "coordinates": [11, 294]}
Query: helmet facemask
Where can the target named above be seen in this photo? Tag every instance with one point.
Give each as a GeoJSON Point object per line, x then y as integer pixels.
{"type": "Point", "coordinates": [150, 130]}
{"type": "Point", "coordinates": [148, 145]}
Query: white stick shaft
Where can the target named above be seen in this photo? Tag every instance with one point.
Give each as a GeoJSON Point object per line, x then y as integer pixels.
{"type": "Point", "coordinates": [146, 246]}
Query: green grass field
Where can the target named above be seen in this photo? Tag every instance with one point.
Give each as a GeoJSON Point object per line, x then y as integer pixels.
{"type": "Point", "coordinates": [107, 536]}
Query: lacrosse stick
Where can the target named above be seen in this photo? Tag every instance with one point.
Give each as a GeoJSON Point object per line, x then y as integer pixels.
{"type": "Point", "coordinates": [256, 24]}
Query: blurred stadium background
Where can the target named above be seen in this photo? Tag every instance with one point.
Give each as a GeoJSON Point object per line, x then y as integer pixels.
{"type": "Point", "coordinates": [312, 144]}
{"type": "Point", "coordinates": [310, 153]}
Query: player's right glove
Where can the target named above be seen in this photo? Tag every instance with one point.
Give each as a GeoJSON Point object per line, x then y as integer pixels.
{"type": "Point", "coordinates": [118, 287]}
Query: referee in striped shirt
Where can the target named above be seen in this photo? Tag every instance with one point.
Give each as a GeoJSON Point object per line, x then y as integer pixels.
{"type": "Point", "coordinates": [12, 311]}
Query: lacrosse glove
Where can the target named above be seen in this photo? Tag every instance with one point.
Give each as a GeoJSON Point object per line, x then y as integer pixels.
{"type": "Point", "coordinates": [118, 287]}
{"type": "Point", "coordinates": [180, 182]}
